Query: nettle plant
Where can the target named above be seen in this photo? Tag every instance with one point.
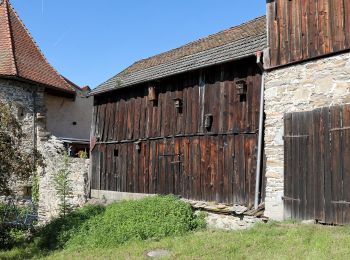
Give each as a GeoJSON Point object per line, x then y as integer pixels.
{"type": "Point", "coordinates": [16, 163]}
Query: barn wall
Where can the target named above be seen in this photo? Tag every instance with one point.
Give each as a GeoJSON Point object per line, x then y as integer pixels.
{"type": "Point", "coordinates": [303, 87]}
{"type": "Point", "coordinates": [304, 29]}
{"type": "Point", "coordinates": [177, 153]}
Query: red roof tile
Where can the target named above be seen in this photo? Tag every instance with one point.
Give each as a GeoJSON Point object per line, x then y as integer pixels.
{"type": "Point", "coordinates": [21, 57]}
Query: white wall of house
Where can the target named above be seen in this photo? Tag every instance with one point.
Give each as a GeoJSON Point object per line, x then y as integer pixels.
{"type": "Point", "coordinates": [67, 118]}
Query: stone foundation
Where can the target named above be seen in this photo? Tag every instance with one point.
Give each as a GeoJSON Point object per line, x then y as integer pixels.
{"type": "Point", "coordinates": [230, 223]}
{"type": "Point", "coordinates": [228, 217]}
{"type": "Point", "coordinates": [304, 87]}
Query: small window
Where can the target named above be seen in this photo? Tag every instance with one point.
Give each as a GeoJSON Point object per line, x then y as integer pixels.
{"type": "Point", "coordinates": [116, 152]}
{"type": "Point", "coordinates": [74, 123]}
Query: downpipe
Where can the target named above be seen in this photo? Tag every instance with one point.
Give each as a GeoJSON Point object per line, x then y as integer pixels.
{"type": "Point", "coordinates": [261, 130]}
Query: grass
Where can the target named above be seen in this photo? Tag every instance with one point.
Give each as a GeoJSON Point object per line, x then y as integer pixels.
{"type": "Point", "coordinates": [110, 227]}
{"type": "Point", "coordinates": [128, 230]}
{"type": "Point", "coordinates": [265, 241]}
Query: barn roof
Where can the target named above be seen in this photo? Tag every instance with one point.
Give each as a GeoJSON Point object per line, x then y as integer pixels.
{"type": "Point", "coordinates": [231, 44]}
{"type": "Point", "coordinates": [21, 58]}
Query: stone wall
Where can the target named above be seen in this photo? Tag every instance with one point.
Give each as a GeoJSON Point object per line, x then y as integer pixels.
{"type": "Point", "coordinates": [25, 100]}
{"type": "Point", "coordinates": [28, 103]}
{"type": "Point", "coordinates": [307, 86]}
{"type": "Point", "coordinates": [53, 150]}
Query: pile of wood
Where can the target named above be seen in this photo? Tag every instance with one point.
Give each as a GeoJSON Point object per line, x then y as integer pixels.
{"type": "Point", "coordinates": [236, 210]}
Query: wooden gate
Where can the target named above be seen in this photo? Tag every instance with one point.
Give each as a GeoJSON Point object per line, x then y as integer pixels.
{"type": "Point", "coordinates": [317, 165]}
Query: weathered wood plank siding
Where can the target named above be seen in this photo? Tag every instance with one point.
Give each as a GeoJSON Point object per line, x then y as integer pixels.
{"type": "Point", "coordinates": [304, 29]}
{"type": "Point", "coordinates": [146, 147]}
{"type": "Point", "coordinates": [317, 171]}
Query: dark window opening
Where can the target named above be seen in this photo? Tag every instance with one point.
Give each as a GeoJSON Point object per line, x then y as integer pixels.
{"type": "Point", "coordinates": [116, 152]}
{"type": "Point", "coordinates": [77, 150]}
{"type": "Point", "coordinates": [74, 123]}
{"type": "Point", "coordinates": [27, 192]}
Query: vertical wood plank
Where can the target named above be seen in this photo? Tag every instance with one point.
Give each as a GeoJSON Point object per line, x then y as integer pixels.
{"type": "Point", "coordinates": [288, 166]}
{"type": "Point", "coordinates": [346, 164]}
{"type": "Point", "coordinates": [195, 161]}
{"type": "Point", "coordinates": [137, 117]}
{"type": "Point", "coordinates": [325, 114]}
{"type": "Point", "coordinates": [214, 168]}
{"type": "Point", "coordinates": [295, 167]}
{"type": "Point", "coordinates": [318, 164]}
{"type": "Point", "coordinates": [186, 170]}
{"type": "Point", "coordinates": [336, 163]}
{"type": "Point", "coordinates": [337, 24]}
{"type": "Point", "coordinates": [346, 16]}
{"type": "Point", "coordinates": [313, 28]}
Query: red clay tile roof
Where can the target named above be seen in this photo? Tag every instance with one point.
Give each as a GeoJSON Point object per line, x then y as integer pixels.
{"type": "Point", "coordinates": [20, 56]}
{"type": "Point", "coordinates": [245, 30]}
{"type": "Point", "coordinates": [234, 43]}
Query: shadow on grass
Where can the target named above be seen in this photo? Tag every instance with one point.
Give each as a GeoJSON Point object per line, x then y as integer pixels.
{"type": "Point", "coordinates": [54, 235]}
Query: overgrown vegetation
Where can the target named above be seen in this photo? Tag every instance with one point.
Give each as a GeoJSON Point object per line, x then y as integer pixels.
{"type": "Point", "coordinates": [112, 226]}
{"type": "Point", "coordinates": [265, 241]}
{"type": "Point", "coordinates": [56, 234]}
{"type": "Point", "coordinates": [11, 233]}
{"type": "Point", "coordinates": [15, 162]}
{"type": "Point", "coordinates": [150, 218]}
{"type": "Point", "coordinates": [35, 188]}
{"type": "Point", "coordinates": [83, 154]}
{"type": "Point", "coordinates": [63, 186]}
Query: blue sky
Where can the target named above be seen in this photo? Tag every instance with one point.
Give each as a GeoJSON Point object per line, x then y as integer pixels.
{"type": "Point", "coordinates": [90, 41]}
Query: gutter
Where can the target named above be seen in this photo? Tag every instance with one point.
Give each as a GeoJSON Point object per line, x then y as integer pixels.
{"type": "Point", "coordinates": [261, 130]}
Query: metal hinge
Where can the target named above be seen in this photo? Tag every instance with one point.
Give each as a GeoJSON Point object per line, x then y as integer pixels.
{"type": "Point", "coordinates": [176, 162]}
{"type": "Point", "coordinates": [288, 198]}
{"type": "Point", "coordinates": [296, 136]}
{"type": "Point", "coordinates": [340, 202]}
{"type": "Point", "coordinates": [340, 128]}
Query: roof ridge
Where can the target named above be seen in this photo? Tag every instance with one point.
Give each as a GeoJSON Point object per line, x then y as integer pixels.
{"type": "Point", "coordinates": [210, 36]}
{"type": "Point", "coordinates": [35, 44]}
{"type": "Point", "coordinates": [231, 44]}
{"type": "Point", "coordinates": [194, 43]}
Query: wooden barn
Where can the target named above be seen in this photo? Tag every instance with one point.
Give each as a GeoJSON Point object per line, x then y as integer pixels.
{"type": "Point", "coordinates": [307, 110]}
{"type": "Point", "coordinates": [185, 122]}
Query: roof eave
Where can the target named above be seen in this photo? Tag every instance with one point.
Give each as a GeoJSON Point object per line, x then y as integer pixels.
{"type": "Point", "coordinates": [55, 89]}
{"type": "Point", "coordinates": [96, 93]}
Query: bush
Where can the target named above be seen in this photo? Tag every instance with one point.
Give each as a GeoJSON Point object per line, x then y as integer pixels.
{"type": "Point", "coordinates": [150, 218]}
{"type": "Point", "coordinates": [56, 234]}
{"type": "Point", "coordinates": [12, 234]}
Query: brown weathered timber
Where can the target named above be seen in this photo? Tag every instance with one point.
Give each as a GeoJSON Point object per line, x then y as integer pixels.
{"type": "Point", "coordinates": [304, 29]}
{"type": "Point", "coordinates": [162, 146]}
{"type": "Point", "coordinates": [317, 168]}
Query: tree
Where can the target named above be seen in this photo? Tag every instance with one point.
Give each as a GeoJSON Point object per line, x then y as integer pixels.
{"type": "Point", "coordinates": [63, 186]}
{"type": "Point", "coordinates": [16, 162]}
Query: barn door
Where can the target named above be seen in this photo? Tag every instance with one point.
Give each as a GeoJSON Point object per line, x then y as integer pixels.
{"type": "Point", "coordinates": [170, 165]}
{"type": "Point", "coordinates": [317, 165]}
